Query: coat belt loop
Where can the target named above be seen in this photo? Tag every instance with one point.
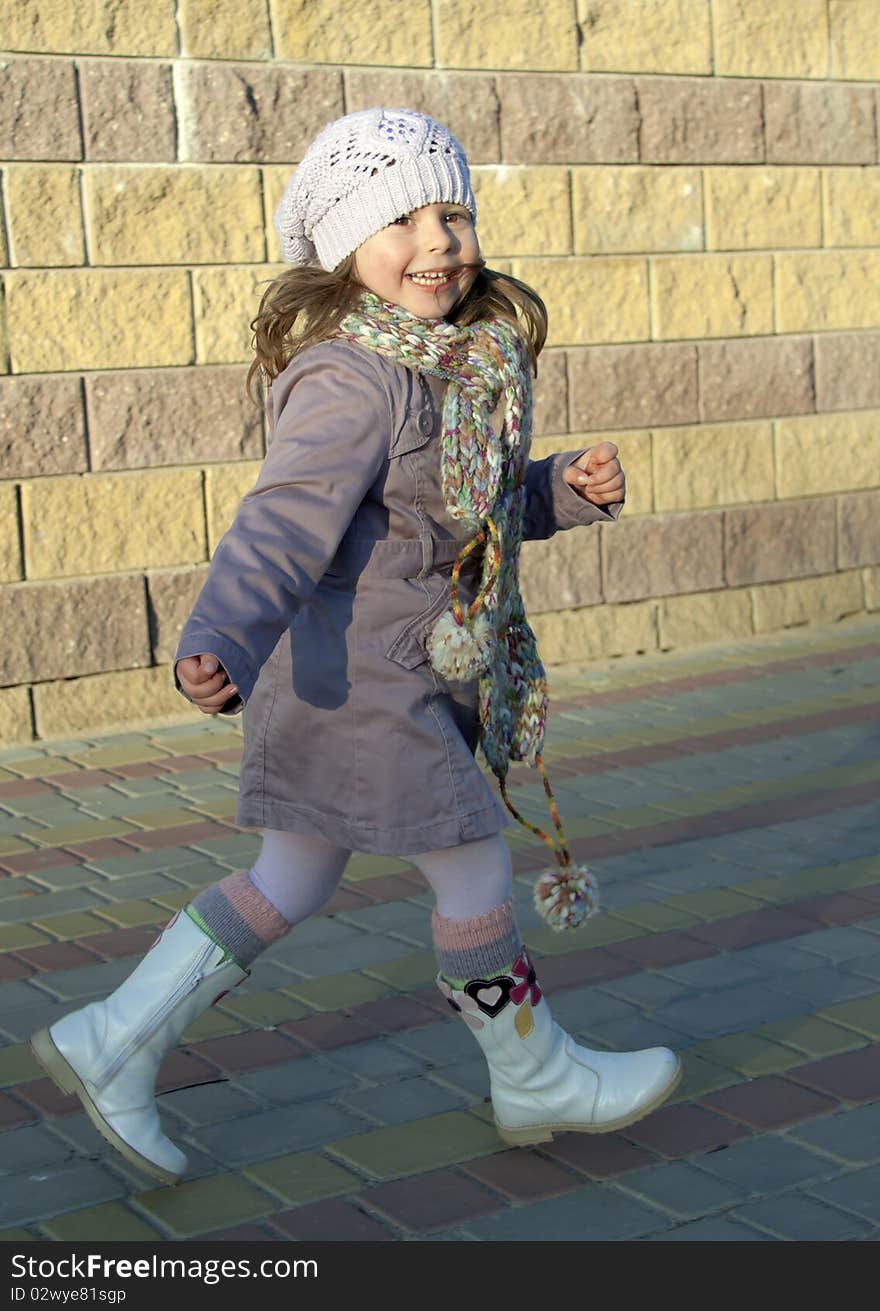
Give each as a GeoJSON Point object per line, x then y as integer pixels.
{"type": "Point", "coordinates": [427, 542]}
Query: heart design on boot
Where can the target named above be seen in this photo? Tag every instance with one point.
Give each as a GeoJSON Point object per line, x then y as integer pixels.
{"type": "Point", "coordinates": [491, 995]}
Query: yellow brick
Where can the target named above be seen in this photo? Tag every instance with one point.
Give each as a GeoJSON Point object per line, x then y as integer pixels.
{"type": "Point", "coordinates": [645, 36]}
{"type": "Point", "coordinates": [103, 523]}
{"type": "Point", "coordinates": [712, 296]}
{"type": "Point", "coordinates": [636, 209]}
{"type": "Point", "coordinates": [225, 29]}
{"type": "Point", "coordinates": [98, 319]}
{"type": "Point", "coordinates": [174, 215]}
{"type": "Point", "coordinates": [370, 32]}
{"type": "Point", "coordinates": [871, 583]}
{"type": "Point", "coordinates": [807, 601]}
{"type": "Point", "coordinates": [595, 631]}
{"type": "Point", "coordinates": [590, 300]}
{"type": "Point", "coordinates": [784, 38]}
{"type": "Point", "coordinates": [226, 301]}
{"type": "Point", "coordinates": [275, 179]}
{"type": "Point", "coordinates": [855, 39]}
{"type": "Point", "coordinates": [828, 291]}
{"type": "Point", "coordinates": [130, 696]}
{"type": "Point", "coordinates": [634, 454]}
{"type": "Point", "coordinates": [44, 214]}
{"type": "Point", "coordinates": [506, 34]}
{"type": "Point", "coordinates": [710, 465]}
{"type": "Point", "coordinates": [705, 617]}
{"type": "Point", "coordinates": [852, 205]}
{"type": "Point", "coordinates": [762, 207]}
{"type": "Point", "coordinates": [523, 211]}
{"type": "Point", "coordinates": [225, 485]}
{"type": "Point", "coordinates": [822, 453]}
{"type": "Point", "coordinates": [99, 27]}
{"type": "Point", "coordinates": [10, 549]}
{"type": "Point", "coordinates": [15, 716]}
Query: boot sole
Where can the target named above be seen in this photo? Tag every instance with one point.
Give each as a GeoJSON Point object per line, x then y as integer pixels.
{"type": "Point", "coordinates": [532, 1134]}
{"type": "Point", "coordinates": [65, 1077]}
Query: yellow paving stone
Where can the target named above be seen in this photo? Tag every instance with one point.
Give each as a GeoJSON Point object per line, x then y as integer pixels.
{"type": "Point", "coordinates": [41, 767]}
{"type": "Point", "coordinates": [427, 1144]}
{"type": "Point", "coordinates": [211, 1024]}
{"type": "Point", "coordinates": [863, 1015]}
{"type": "Point", "coordinates": [10, 846]}
{"type": "Point", "coordinates": [406, 972]}
{"type": "Point", "coordinates": [107, 757]}
{"type": "Point", "coordinates": [262, 1010]}
{"type": "Point", "coordinates": [636, 817]}
{"type": "Point", "coordinates": [714, 903]}
{"type": "Point", "coordinates": [170, 818]}
{"type": "Point", "coordinates": [748, 1054]}
{"type": "Point", "coordinates": [221, 809]}
{"type": "Point", "coordinates": [301, 1177]}
{"type": "Point", "coordinates": [656, 916]}
{"type": "Point", "coordinates": [216, 742]}
{"type": "Point", "coordinates": [809, 1035]}
{"type": "Point", "coordinates": [15, 936]}
{"type": "Point", "coordinates": [700, 1076]}
{"type": "Point", "coordinates": [62, 834]}
{"type": "Point", "coordinates": [598, 931]}
{"type": "Point", "coordinates": [112, 1222]}
{"type": "Point", "coordinates": [130, 914]}
{"type": "Point", "coordinates": [18, 1063]}
{"type": "Point", "coordinates": [200, 1205]}
{"type": "Point", "coordinates": [174, 900]}
{"type": "Point", "coordinates": [370, 867]}
{"type": "Point", "coordinates": [334, 991]}
{"type": "Point", "coordinates": [74, 924]}
{"type": "Point", "coordinates": [17, 1236]}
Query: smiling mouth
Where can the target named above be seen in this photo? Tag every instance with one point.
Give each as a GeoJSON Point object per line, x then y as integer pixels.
{"type": "Point", "coordinates": [434, 279]}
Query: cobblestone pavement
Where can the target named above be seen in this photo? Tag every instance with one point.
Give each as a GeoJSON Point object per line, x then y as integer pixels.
{"type": "Point", "coordinates": [727, 799]}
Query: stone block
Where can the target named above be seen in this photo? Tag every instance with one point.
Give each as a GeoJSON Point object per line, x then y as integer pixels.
{"type": "Point", "coordinates": [103, 701]}
{"type": "Point", "coordinates": [551, 394]}
{"type": "Point", "coordinates": [225, 485]}
{"type": "Point", "coordinates": [590, 300]}
{"type": "Point", "coordinates": [523, 211]}
{"type": "Point", "coordinates": [709, 617]}
{"type": "Point", "coordinates": [712, 295]}
{"type": "Point", "coordinates": [98, 319]}
{"type": "Point", "coordinates": [602, 630]}
{"type": "Point", "coordinates": [103, 523]}
{"type": "Point", "coordinates": [871, 584]}
{"type": "Point", "coordinates": [42, 427]}
{"type": "Point", "coordinates": [852, 202]}
{"type": "Point", "coordinates": [43, 212]}
{"type": "Point", "coordinates": [637, 209]}
{"type": "Point", "coordinates": [467, 103]}
{"type": "Point", "coordinates": [751, 379]}
{"type": "Point", "coordinates": [171, 596]}
{"type": "Point", "coordinates": [788, 38]}
{"type": "Point", "coordinates": [224, 29]}
{"type": "Point", "coordinates": [653, 556]}
{"type": "Point", "coordinates": [765, 208]}
{"type": "Point", "coordinates": [15, 716]}
{"type": "Point", "coordinates": [174, 215]}
{"type": "Point", "coordinates": [568, 120]}
{"type": "Point", "coordinates": [807, 601]}
{"type": "Point", "coordinates": [561, 573]}
{"type": "Point", "coordinates": [858, 529]}
{"type": "Point", "coordinates": [140, 419]}
{"type": "Point", "coordinates": [632, 386]}
{"type": "Point", "coordinates": [10, 545]}
{"type": "Point", "coordinates": [702, 466]}
{"type": "Point", "coordinates": [831, 123]}
{"type": "Point", "coordinates": [243, 112]}
{"type": "Point", "coordinates": [128, 110]}
{"type": "Point", "coordinates": [39, 116]}
{"type": "Point", "coordinates": [45, 636]}
{"type": "Point", "coordinates": [855, 39]}
{"type": "Point", "coordinates": [226, 300]}
{"type": "Point", "coordinates": [506, 34]}
{"type": "Point", "coordinates": [645, 36]}
{"type": "Point", "coordinates": [701, 121]}
{"type": "Point", "coordinates": [774, 542]}
{"type": "Point", "coordinates": [826, 291]}
{"type": "Point", "coordinates": [92, 27]}
{"type": "Point", "coordinates": [828, 453]}
{"type": "Point", "coordinates": [310, 32]}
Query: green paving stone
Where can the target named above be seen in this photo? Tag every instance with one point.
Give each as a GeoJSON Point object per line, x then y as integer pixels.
{"type": "Point", "coordinates": [131, 754]}
{"type": "Point", "coordinates": [62, 834]}
{"type": "Point", "coordinates": [200, 1205]}
{"type": "Point", "coordinates": [74, 924]}
{"type": "Point", "coordinates": [17, 1063]}
{"type": "Point", "coordinates": [811, 1036]}
{"type": "Point", "coordinates": [262, 1009]}
{"type": "Point", "coordinates": [302, 1177]}
{"type": "Point", "coordinates": [112, 1222]}
{"type": "Point", "coordinates": [598, 931]}
{"type": "Point", "coordinates": [714, 903]}
{"type": "Point", "coordinates": [407, 971]}
{"type": "Point", "coordinates": [211, 1024]}
{"type": "Point", "coordinates": [177, 900]}
{"type": "Point", "coordinates": [17, 1236]}
{"type": "Point", "coordinates": [131, 914]}
{"type": "Point", "coordinates": [335, 991]}
{"type": "Point", "coordinates": [750, 1055]}
{"type": "Point", "coordinates": [414, 1148]}
{"type": "Point", "coordinates": [656, 916]}
{"type": "Point", "coordinates": [700, 1077]}
{"type": "Point", "coordinates": [362, 867]}
{"type": "Point", "coordinates": [862, 1015]}
{"type": "Point", "coordinates": [15, 936]}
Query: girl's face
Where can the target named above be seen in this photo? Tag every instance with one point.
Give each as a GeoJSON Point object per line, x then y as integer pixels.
{"type": "Point", "coordinates": [425, 261]}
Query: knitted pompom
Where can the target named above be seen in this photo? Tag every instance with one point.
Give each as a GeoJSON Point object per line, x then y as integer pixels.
{"type": "Point", "coordinates": [566, 897]}
{"type": "Point", "coordinates": [460, 652]}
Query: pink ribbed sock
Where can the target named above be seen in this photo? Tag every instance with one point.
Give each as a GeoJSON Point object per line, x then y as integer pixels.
{"type": "Point", "coordinates": [476, 948]}
{"type": "Point", "coordinates": [238, 917]}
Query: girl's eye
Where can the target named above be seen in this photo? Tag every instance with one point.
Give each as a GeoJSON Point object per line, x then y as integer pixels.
{"type": "Point", "coordinates": [403, 218]}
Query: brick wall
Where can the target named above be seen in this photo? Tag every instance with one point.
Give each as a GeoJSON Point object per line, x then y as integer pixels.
{"type": "Point", "coordinates": [693, 185]}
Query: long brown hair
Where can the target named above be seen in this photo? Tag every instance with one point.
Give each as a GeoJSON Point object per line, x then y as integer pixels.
{"type": "Point", "coordinates": [303, 306]}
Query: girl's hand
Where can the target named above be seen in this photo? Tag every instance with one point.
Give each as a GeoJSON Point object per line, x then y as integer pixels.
{"type": "Point", "coordinates": [597, 476]}
{"type": "Point", "coordinates": [205, 682]}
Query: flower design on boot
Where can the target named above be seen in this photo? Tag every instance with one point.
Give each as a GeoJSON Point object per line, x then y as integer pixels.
{"type": "Point", "coordinates": [466, 1007]}
{"type": "Point", "coordinates": [527, 985]}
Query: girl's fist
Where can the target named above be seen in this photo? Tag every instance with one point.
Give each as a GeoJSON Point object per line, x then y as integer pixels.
{"type": "Point", "coordinates": [597, 475]}
{"type": "Point", "coordinates": [205, 682]}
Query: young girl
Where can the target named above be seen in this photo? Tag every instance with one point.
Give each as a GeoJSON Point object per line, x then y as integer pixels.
{"type": "Point", "coordinates": [364, 608]}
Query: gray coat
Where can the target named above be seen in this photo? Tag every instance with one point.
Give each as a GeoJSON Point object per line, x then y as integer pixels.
{"type": "Point", "coordinates": [318, 603]}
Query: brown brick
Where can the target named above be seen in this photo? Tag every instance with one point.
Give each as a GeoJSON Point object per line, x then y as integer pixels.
{"type": "Point", "coordinates": [45, 635]}
{"type": "Point", "coordinates": [128, 110]}
{"type": "Point", "coordinates": [820, 124]}
{"type": "Point", "coordinates": [42, 428]}
{"type": "Point", "coordinates": [568, 120]}
{"type": "Point", "coordinates": [631, 386]}
{"type": "Point", "coordinates": [467, 104]}
{"type": "Point", "coordinates": [649, 557]}
{"type": "Point", "coordinates": [858, 529]}
{"type": "Point", "coordinates": [760, 377]}
{"type": "Point", "coordinates": [765, 543]}
{"type": "Point", "coordinates": [138, 420]}
{"type": "Point", "coordinates": [39, 118]}
{"type": "Point", "coordinates": [172, 594]}
{"type": "Point", "coordinates": [847, 371]}
{"type": "Point", "coordinates": [562, 573]}
{"type": "Point", "coordinates": [700, 120]}
{"type": "Point", "coordinates": [551, 394]}
{"type": "Point", "coordinates": [244, 112]}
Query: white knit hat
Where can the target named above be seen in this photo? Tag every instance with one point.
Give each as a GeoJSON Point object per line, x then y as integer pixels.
{"type": "Point", "coordinates": [361, 173]}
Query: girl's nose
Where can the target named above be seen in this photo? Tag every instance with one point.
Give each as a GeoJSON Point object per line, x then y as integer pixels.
{"type": "Point", "coordinates": [439, 236]}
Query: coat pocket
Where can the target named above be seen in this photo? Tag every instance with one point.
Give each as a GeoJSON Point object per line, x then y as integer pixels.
{"type": "Point", "coordinates": [409, 647]}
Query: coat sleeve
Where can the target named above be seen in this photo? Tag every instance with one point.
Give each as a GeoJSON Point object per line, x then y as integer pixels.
{"type": "Point", "coordinates": [332, 426]}
{"type": "Point", "coordinates": [552, 505]}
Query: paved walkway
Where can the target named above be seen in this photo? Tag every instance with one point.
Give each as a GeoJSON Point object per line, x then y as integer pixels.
{"type": "Point", "coordinates": [727, 799]}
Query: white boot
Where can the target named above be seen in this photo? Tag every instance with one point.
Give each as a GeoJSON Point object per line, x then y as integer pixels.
{"type": "Point", "coordinates": [541, 1081]}
{"type": "Point", "coordinates": [109, 1052]}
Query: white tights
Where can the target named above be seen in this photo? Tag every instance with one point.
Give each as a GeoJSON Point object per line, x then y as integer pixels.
{"type": "Point", "coordinates": [298, 874]}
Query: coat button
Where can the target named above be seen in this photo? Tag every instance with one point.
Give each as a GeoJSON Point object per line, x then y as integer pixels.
{"type": "Point", "coordinates": [426, 422]}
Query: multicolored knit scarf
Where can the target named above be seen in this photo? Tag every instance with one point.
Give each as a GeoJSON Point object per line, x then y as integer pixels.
{"type": "Point", "coordinates": [483, 483]}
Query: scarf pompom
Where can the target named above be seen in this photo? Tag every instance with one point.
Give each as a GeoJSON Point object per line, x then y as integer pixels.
{"type": "Point", "coordinates": [565, 897]}
{"type": "Point", "coordinates": [460, 652]}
